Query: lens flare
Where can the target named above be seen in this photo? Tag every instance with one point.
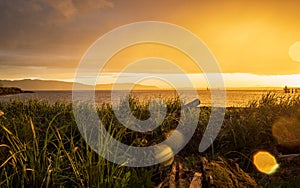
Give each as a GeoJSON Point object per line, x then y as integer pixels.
{"type": "Point", "coordinates": [265, 162]}
{"type": "Point", "coordinates": [166, 153]}
{"type": "Point", "coordinates": [286, 131]}
{"type": "Point", "coordinates": [94, 62]}
{"type": "Point", "coordinates": [294, 51]}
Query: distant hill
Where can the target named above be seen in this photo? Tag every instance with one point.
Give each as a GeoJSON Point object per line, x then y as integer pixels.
{"type": "Point", "coordinates": [11, 90]}
{"type": "Point", "coordinates": [126, 85]}
{"type": "Point", "coordinates": [28, 84]}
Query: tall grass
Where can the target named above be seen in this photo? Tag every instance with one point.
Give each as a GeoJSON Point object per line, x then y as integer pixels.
{"type": "Point", "coordinates": [247, 130]}
{"type": "Point", "coordinates": [40, 145]}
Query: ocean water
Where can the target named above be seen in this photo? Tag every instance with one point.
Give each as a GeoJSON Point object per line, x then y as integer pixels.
{"type": "Point", "coordinates": [236, 98]}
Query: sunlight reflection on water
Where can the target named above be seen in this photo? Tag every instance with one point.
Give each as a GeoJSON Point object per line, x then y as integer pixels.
{"type": "Point", "coordinates": [237, 98]}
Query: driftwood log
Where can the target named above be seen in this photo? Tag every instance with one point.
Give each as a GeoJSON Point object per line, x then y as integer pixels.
{"type": "Point", "coordinates": [219, 173]}
{"type": "Point", "coordinates": [193, 104]}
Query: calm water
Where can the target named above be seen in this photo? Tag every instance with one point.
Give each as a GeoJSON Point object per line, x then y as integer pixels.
{"type": "Point", "coordinates": [237, 98]}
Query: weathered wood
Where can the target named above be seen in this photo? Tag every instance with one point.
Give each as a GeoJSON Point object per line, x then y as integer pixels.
{"type": "Point", "coordinates": [191, 104]}
{"type": "Point", "coordinates": [172, 181]}
{"type": "Point", "coordinates": [219, 173]}
{"type": "Point", "coordinates": [289, 156]}
{"type": "Point", "coordinates": [182, 182]}
{"type": "Point", "coordinates": [196, 181]}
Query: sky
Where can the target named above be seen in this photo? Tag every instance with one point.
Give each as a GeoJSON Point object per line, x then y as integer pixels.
{"type": "Point", "coordinates": [256, 43]}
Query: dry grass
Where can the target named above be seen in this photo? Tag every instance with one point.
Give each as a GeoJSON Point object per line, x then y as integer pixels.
{"type": "Point", "coordinates": [40, 145]}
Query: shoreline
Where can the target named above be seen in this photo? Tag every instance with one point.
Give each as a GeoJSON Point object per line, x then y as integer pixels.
{"type": "Point", "coordinates": [234, 99]}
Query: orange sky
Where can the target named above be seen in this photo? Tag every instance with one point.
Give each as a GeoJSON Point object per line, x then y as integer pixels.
{"type": "Point", "coordinates": [256, 43]}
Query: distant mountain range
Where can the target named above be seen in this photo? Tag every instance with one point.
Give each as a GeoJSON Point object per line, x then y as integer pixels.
{"type": "Point", "coordinates": [28, 84]}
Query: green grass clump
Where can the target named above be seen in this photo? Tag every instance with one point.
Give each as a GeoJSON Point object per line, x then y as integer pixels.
{"type": "Point", "coordinates": [42, 147]}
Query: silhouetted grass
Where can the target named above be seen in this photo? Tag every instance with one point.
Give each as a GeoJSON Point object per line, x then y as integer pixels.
{"type": "Point", "coordinates": [40, 145]}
